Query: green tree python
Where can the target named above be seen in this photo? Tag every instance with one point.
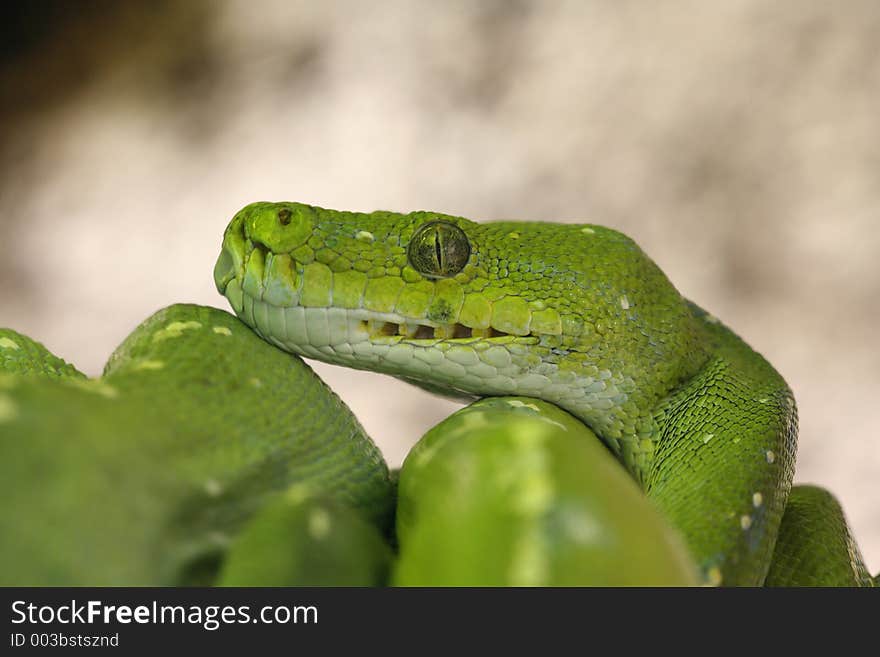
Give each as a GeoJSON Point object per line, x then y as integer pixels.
{"type": "Point", "coordinates": [621, 436]}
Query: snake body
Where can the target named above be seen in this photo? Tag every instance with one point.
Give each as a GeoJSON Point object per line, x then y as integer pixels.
{"type": "Point", "coordinates": [625, 436]}
{"type": "Point", "coordinates": [576, 315]}
{"type": "Point", "coordinates": [149, 475]}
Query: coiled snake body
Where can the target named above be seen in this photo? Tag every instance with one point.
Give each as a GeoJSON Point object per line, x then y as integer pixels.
{"type": "Point", "coordinates": [237, 465]}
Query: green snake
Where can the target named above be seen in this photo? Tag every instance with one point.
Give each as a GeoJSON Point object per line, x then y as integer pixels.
{"type": "Point", "coordinates": [624, 435]}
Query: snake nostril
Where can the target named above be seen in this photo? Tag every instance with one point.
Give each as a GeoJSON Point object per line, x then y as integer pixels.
{"type": "Point", "coordinates": [284, 216]}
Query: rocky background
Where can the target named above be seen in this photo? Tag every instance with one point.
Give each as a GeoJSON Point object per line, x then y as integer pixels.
{"type": "Point", "coordinates": [738, 142]}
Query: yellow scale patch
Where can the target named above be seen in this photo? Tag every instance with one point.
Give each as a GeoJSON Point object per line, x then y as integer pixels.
{"type": "Point", "coordinates": [8, 343]}
{"type": "Point", "coordinates": [8, 410]}
{"type": "Point", "coordinates": [319, 524]}
{"type": "Point", "coordinates": [149, 365]}
{"type": "Point", "coordinates": [175, 330]}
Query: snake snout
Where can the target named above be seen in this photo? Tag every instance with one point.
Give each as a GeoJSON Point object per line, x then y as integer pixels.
{"type": "Point", "coordinates": [232, 254]}
{"type": "Point", "coordinates": [224, 269]}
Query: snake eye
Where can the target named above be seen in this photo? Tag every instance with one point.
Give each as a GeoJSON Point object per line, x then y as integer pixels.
{"type": "Point", "coordinates": [438, 249]}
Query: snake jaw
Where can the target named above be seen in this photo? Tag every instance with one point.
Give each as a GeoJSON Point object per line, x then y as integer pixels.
{"type": "Point", "coordinates": [304, 330]}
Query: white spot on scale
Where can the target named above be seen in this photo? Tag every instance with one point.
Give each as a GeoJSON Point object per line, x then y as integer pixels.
{"type": "Point", "coordinates": [221, 330]}
{"type": "Point", "coordinates": [514, 235]}
{"type": "Point", "coordinates": [770, 456]}
{"type": "Point", "coordinates": [757, 500]}
{"type": "Point", "coordinates": [175, 330]}
{"type": "Point", "coordinates": [364, 236]}
{"type": "Point", "coordinates": [213, 487]}
{"type": "Point", "coordinates": [319, 524]}
{"type": "Point", "coordinates": [516, 403]}
{"type": "Point", "coordinates": [745, 522]}
{"type": "Point", "coordinates": [708, 437]}
{"type": "Point", "coordinates": [8, 343]}
{"type": "Point", "coordinates": [586, 230]}
{"type": "Point", "coordinates": [624, 302]}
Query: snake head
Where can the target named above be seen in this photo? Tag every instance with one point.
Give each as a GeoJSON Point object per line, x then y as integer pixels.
{"type": "Point", "coordinates": [575, 314]}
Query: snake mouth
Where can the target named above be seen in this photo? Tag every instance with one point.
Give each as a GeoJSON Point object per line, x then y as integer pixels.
{"type": "Point", "coordinates": [378, 329]}
{"type": "Point", "coordinates": [305, 329]}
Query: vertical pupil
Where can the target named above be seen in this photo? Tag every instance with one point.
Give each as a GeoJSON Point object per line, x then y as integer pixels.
{"type": "Point", "coordinates": [438, 251]}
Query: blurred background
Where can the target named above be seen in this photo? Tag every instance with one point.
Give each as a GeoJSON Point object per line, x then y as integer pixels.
{"type": "Point", "coordinates": [738, 142]}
